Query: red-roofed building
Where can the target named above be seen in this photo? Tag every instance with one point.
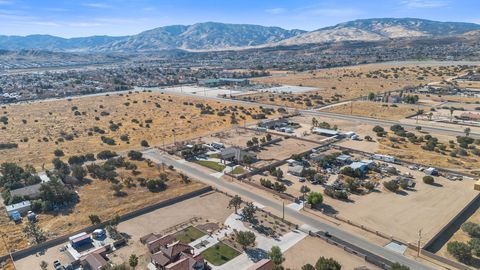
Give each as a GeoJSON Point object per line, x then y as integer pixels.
{"type": "Point", "coordinates": [178, 256]}
{"type": "Point", "coordinates": [264, 264]}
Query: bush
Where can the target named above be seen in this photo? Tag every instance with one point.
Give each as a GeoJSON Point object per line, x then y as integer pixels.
{"type": "Point", "coordinates": [461, 251]}
{"type": "Point", "coordinates": [107, 154]}
{"type": "Point", "coordinates": [428, 180]}
{"type": "Point", "coordinates": [135, 155]}
{"type": "Point", "coordinates": [471, 229]}
{"type": "Point", "coordinates": [327, 264]}
{"type": "Point", "coordinates": [315, 198]}
{"type": "Point", "coordinates": [144, 143]}
{"type": "Point", "coordinates": [391, 185]}
{"type": "Point", "coordinates": [58, 153]}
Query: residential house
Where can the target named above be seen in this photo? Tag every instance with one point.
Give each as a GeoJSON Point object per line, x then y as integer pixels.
{"type": "Point", "coordinates": [178, 256]}
{"type": "Point", "coordinates": [235, 154]}
{"type": "Point", "coordinates": [31, 192]}
{"type": "Point", "coordinates": [273, 123]}
{"type": "Point", "coordinates": [296, 170]}
{"type": "Point", "coordinates": [264, 264]}
{"type": "Point", "coordinates": [18, 208]}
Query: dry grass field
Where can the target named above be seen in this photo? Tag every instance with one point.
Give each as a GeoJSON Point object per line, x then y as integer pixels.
{"type": "Point", "coordinates": [375, 110]}
{"type": "Point", "coordinates": [75, 126]}
{"type": "Point", "coordinates": [344, 83]}
{"type": "Point", "coordinates": [97, 198]}
{"type": "Point", "coordinates": [440, 98]}
{"type": "Point", "coordinates": [415, 153]}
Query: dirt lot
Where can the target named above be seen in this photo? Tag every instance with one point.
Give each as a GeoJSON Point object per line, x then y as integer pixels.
{"type": "Point", "coordinates": [310, 249]}
{"type": "Point", "coordinates": [427, 207]}
{"type": "Point", "coordinates": [350, 82]}
{"type": "Point", "coordinates": [213, 209]}
{"type": "Point", "coordinates": [97, 198]}
{"type": "Point", "coordinates": [285, 149]}
{"type": "Point", "coordinates": [375, 110]}
{"type": "Point", "coordinates": [235, 137]}
{"type": "Point", "coordinates": [70, 125]}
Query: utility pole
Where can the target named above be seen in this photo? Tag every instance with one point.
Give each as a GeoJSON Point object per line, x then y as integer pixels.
{"type": "Point", "coordinates": [283, 210]}
{"type": "Point", "coordinates": [351, 107]}
{"type": "Point", "coordinates": [419, 240]}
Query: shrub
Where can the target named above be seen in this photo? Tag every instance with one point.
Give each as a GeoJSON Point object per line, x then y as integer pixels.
{"type": "Point", "coordinates": [135, 155]}
{"type": "Point", "coordinates": [460, 251]}
{"type": "Point", "coordinates": [391, 185]}
{"type": "Point", "coordinates": [144, 143]}
{"type": "Point", "coordinates": [471, 229]}
{"type": "Point", "coordinates": [58, 153]}
{"type": "Point", "coordinates": [315, 198]}
{"type": "Point", "coordinates": [428, 180]}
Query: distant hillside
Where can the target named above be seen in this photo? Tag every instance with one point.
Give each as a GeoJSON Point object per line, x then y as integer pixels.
{"type": "Point", "coordinates": [219, 36]}
{"type": "Point", "coordinates": [382, 29]}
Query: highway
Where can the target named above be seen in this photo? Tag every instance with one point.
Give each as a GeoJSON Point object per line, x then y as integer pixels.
{"type": "Point", "coordinates": [360, 119]}
{"type": "Point", "coordinates": [233, 188]}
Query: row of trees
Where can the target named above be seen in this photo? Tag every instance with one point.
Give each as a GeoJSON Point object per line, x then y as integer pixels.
{"type": "Point", "coordinates": [464, 251]}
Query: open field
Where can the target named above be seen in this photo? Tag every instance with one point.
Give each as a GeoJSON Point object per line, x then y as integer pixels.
{"type": "Point", "coordinates": [345, 83]}
{"type": "Point", "coordinates": [97, 198]}
{"type": "Point", "coordinates": [284, 149]}
{"type": "Point", "coordinates": [208, 208]}
{"type": "Point", "coordinates": [77, 126]}
{"type": "Point", "coordinates": [375, 110]}
{"type": "Point", "coordinates": [310, 249]}
{"type": "Point", "coordinates": [234, 137]}
{"type": "Point", "coordinates": [450, 98]}
{"type": "Point", "coordinates": [414, 153]}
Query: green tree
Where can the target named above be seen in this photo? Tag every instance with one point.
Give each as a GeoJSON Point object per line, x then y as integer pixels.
{"type": "Point", "coordinates": [472, 229]}
{"type": "Point", "coordinates": [78, 172]}
{"type": "Point", "coordinates": [33, 231]}
{"type": "Point", "coordinates": [235, 202]}
{"type": "Point", "coordinates": [398, 266]}
{"type": "Point", "coordinates": [371, 96]}
{"type": "Point", "coordinates": [245, 238]}
{"type": "Point", "coordinates": [144, 143]}
{"type": "Point", "coordinates": [428, 180]}
{"type": "Point", "coordinates": [327, 264]}
{"type": "Point", "coordinates": [133, 261]}
{"type": "Point", "coordinates": [474, 244]}
{"type": "Point", "coordinates": [467, 131]}
{"type": "Point", "coordinates": [308, 267]}
{"type": "Point", "coordinates": [315, 199]}
{"type": "Point", "coordinates": [304, 190]}
{"type": "Point", "coordinates": [94, 219]}
{"type": "Point", "coordinates": [276, 256]}
{"type": "Point", "coordinates": [248, 212]}
{"type": "Point", "coordinates": [135, 155]}
{"type": "Point", "coordinates": [43, 265]}
{"type": "Point", "coordinates": [460, 251]}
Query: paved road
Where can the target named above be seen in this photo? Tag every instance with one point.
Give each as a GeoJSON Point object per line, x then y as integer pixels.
{"type": "Point", "coordinates": [232, 188]}
{"type": "Point", "coordinates": [360, 119]}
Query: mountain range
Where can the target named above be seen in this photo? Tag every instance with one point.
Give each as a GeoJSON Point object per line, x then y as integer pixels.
{"type": "Point", "coordinates": [220, 36]}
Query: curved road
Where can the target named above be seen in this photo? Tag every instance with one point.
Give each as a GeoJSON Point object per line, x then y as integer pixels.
{"type": "Point", "coordinates": [231, 188]}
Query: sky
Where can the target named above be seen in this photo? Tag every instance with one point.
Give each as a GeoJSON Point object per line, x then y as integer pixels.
{"type": "Point", "coordinates": [69, 18]}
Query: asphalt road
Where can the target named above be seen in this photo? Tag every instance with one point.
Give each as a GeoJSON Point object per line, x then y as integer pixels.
{"type": "Point", "coordinates": [360, 119]}
{"type": "Point", "coordinates": [231, 188]}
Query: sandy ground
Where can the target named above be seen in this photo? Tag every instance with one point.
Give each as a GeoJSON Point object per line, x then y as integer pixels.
{"type": "Point", "coordinates": [235, 137]}
{"type": "Point", "coordinates": [350, 82]}
{"type": "Point", "coordinates": [427, 207]}
{"type": "Point", "coordinates": [285, 149]}
{"type": "Point", "coordinates": [49, 121]}
{"type": "Point", "coordinates": [310, 249]}
{"type": "Point", "coordinates": [375, 110]}
{"type": "Point", "coordinates": [210, 208]}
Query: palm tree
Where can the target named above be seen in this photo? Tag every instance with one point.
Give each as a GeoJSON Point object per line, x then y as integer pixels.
{"type": "Point", "coordinates": [235, 202]}
{"type": "Point", "coordinates": [304, 190]}
{"type": "Point", "coordinates": [452, 109]}
{"type": "Point", "coordinates": [133, 261]}
{"type": "Point", "coordinates": [467, 131]}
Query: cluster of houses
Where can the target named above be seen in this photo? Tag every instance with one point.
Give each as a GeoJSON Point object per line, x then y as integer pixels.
{"type": "Point", "coordinates": [169, 254]}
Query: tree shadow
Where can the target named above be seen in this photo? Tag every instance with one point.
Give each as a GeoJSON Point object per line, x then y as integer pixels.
{"type": "Point", "coordinates": [328, 209]}
{"type": "Point", "coordinates": [436, 185]}
{"type": "Point", "coordinates": [401, 192]}
{"type": "Point", "coordinates": [256, 254]}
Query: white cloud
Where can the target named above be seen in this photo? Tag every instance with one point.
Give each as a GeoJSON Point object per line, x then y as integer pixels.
{"type": "Point", "coordinates": [425, 3]}
{"type": "Point", "coordinates": [97, 5]}
{"type": "Point", "coordinates": [276, 10]}
{"type": "Point", "coordinates": [6, 2]}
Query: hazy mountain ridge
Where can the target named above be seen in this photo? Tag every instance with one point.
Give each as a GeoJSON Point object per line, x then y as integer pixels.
{"type": "Point", "coordinates": [218, 36]}
{"type": "Point", "coordinates": [378, 29]}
